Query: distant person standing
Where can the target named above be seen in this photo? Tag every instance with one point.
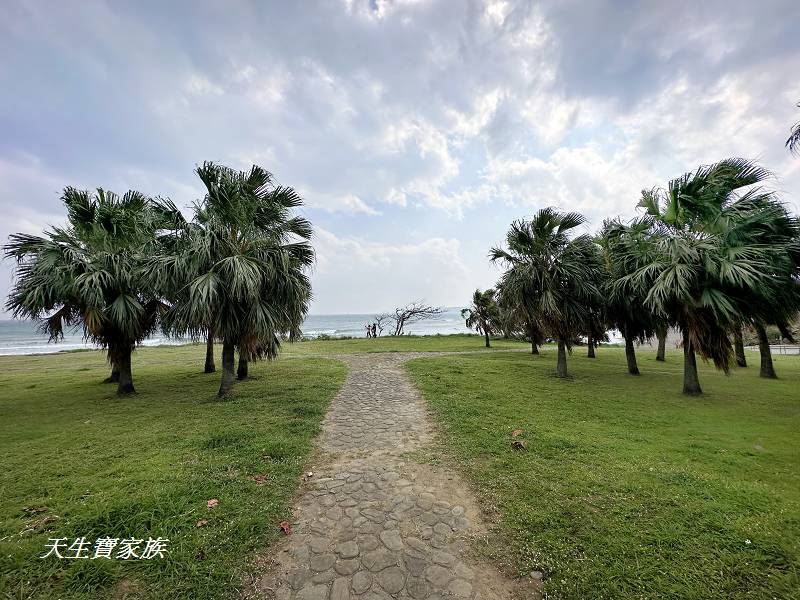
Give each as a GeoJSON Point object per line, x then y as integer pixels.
{"type": "Point", "coordinates": [374, 330]}
{"type": "Point", "coordinates": [369, 330]}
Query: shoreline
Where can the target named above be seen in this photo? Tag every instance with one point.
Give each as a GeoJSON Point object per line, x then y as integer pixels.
{"type": "Point", "coordinates": [329, 338]}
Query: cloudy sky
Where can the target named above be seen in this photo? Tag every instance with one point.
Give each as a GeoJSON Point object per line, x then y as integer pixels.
{"type": "Point", "coordinates": [416, 130]}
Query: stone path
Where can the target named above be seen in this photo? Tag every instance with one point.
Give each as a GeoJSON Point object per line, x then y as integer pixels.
{"type": "Point", "coordinates": [373, 524]}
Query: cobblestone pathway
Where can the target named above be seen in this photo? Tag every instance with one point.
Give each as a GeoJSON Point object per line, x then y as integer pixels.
{"type": "Point", "coordinates": [373, 524]}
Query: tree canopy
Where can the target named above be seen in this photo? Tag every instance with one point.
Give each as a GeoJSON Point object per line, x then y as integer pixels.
{"type": "Point", "coordinates": [90, 272]}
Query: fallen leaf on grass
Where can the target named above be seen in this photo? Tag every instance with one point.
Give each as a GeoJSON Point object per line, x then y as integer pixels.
{"type": "Point", "coordinates": [519, 445]}
{"type": "Point", "coordinates": [212, 503]}
{"type": "Point", "coordinates": [32, 510]}
{"type": "Point", "coordinates": [201, 522]}
{"type": "Point", "coordinates": [259, 479]}
{"type": "Point", "coordinates": [287, 529]}
{"type": "Point", "coordinates": [517, 433]}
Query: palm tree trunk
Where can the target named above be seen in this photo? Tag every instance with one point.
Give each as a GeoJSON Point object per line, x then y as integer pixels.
{"type": "Point", "coordinates": [691, 383]}
{"type": "Point", "coordinates": [242, 370]}
{"type": "Point", "coordinates": [738, 346]}
{"type": "Point", "coordinates": [486, 335]}
{"type": "Point", "coordinates": [210, 366]}
{"type": "Point", "coordinates": [114, 377]}
{"type": "Point", "coordinates": [532, 334]}
{"type": "Point", "coordinates": [661, 334]}
{"type": "Point", "coordinates": [228, 360]}
{"type": "Point", "coordinates": [630, 355]}
{"type": "Point", "coordinates": [125, 384]}
{"type": "Point", "coordinates": [590, 353]}
{"type": "Point", "coordinates": [561, 366]}
{"type": "Point", "coordinates": [767, 369]}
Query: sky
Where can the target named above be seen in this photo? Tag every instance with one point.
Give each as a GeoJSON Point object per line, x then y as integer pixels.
{"type": "Point", "coordinates": [415, 130]}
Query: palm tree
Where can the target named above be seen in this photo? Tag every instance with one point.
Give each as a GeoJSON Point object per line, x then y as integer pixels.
{"type": "Point", "coordinates": [762, 220]}
{"type": "Point", "coordinates": [696, 266]}
{"type": "Point", "coordinates": [793, 143]}
{"type": "Point", "coordinates": [553, 272]}
{"type": "Point", "coordinates": [595, 328]}
{"type": "Point", "coordinates": [90, 273]}
{"type": "Point", "coordinates": [519, 310]}
{"type": "Point", "coordinates": [241, 271]}
{"type": "Point", "coordinates": [625, 302]}
{"type": "Point", "coordinates": [483, 315]}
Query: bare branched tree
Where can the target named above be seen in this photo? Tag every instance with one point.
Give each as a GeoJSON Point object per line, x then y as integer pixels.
{"type": "Point", "coordinates": [411, 313]}
{"type": "Point", "coordinates": [382, 320]}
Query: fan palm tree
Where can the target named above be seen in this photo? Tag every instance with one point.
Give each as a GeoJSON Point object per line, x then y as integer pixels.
{"type": "Point", "coordinates": [90, 273]}
{"type": "Point", "coordinates": [595, 328]}
{"type": "Point", "coordinates": [760, 219]}
{"type": "Point", "coordinates": [483, 315]}
{"type": "Point", "coordinates": [695, 267]}
{"type": "Point", "coordinates": [241, 272]}
{"type": "Point", "coordinates": [519, 310]}
{"type": "Point", "coordinates": [625, 302]}
{"type": "Point", "coordinates": [553, 272]}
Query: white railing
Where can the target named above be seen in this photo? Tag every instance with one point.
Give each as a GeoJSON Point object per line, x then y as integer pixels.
{"type": "Point", "coordinates": [780, 348]}
{"type": "Point", "coordinates": [785, 349]}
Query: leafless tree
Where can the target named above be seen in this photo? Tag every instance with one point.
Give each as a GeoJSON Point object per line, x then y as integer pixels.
{"type": "Point", "coordinates": [382, 320]}
{"type": "Point", "coordinates": [411, 313]}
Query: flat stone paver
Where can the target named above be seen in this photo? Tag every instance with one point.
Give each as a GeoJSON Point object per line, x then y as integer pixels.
{"type": "Point", "coordinates": [373, 524]}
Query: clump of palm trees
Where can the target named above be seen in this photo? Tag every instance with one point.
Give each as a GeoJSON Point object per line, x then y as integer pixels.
{"type": "Point", "coordinates": [483, 315]}
{"type": "Point", "coordinates": [713, 251]}
{"type": "Point", "coordinates": [553, 273]}
{"type": "Point", "coordinates": [125, 266]}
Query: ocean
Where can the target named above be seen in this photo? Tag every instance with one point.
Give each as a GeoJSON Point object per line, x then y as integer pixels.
{"type": "Point", "coordinates": [22, 337]}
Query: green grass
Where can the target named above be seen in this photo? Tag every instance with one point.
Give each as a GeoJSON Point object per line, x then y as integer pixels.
{"type": "Point", "coordinates": [628, 489]}
{"type": "Point", "coordinates": [145, 467]}
{"type": "Point", "coordinates": [405, 343]}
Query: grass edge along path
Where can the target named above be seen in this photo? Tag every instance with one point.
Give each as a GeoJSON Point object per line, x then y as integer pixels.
{"type": "Point", "coordinates": [77, 461]}
{"type": "Point", "coordinates": [628, 489]}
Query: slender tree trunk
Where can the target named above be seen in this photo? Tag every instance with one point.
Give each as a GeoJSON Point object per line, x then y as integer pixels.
{"type": "Point", "coordinates": [486, 335]}
{"type": "Point", "coordinates": [228, 363]}
{"type": "Point", "coordinates": [767, 369]}
{"type": "Point", "coordinates": [630, 355]}
{"type": "Point", "coordinates": [738, 347]}
{"type": "Point", "coordinates": [532, 334]}
{"type": "Point", "coordinates": [561, 366]}
{"type": "Point", "coordinates": [691, 383]}
{"type": "Point", "coordinates": [661, 334]}
{"type": "Point", "coordinates": [125, 384]}
{"type": "Point", "coordinates": [590, 352]}
{"type": "Point", "coordinates": [114, 377]}
{"type": "Point", "coordinates": [210, 366]}
{"type": "Point", "coordinates": [242, 370]}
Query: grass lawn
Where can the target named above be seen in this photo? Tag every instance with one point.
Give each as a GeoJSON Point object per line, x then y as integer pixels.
{"type": "Point", "coordinates": [406, 343]}
{"type": "Point", "coordinates": [627, 488]}
{"type": "Point", "coordinates": [77, 461]}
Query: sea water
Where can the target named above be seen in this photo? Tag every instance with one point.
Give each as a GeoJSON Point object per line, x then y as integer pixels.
{"type": "Point", "coordinates": [23, 337]}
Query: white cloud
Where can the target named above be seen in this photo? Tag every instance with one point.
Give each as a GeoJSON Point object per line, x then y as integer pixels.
{"type": "Point", "coordinates": [400, 121]}
{"type": "Point", "coordinates": [354, 275]}
{"type": "Point", "coordinates": [199, 85]}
